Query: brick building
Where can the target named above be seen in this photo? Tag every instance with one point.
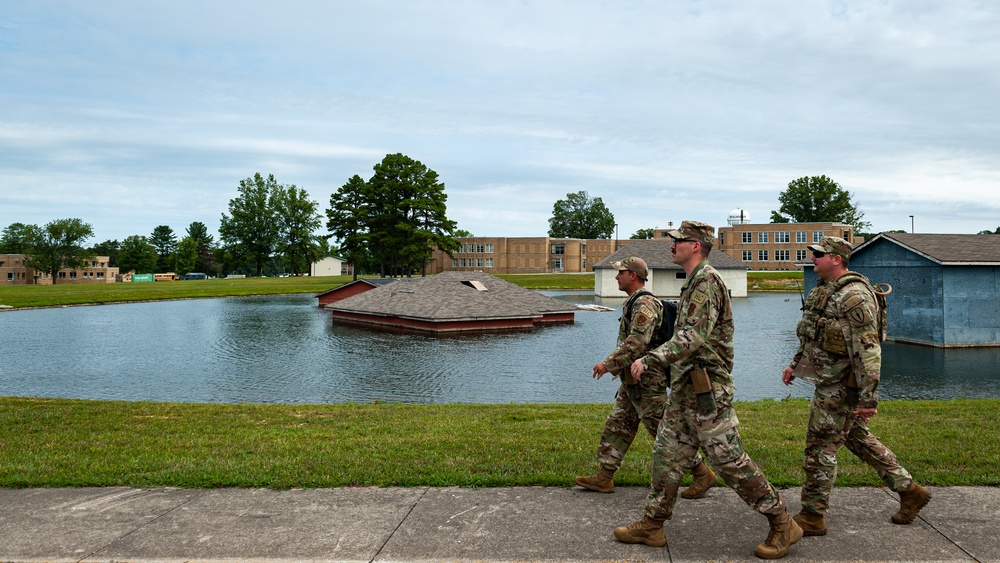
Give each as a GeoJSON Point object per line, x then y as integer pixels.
{"type": "Point", "coordinates": [524, 255]}
{"type": "Point", "coordinates": [14, 271]}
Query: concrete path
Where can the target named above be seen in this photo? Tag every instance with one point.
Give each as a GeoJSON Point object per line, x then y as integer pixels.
{"type": "Point", "coordinates": [456, 524]}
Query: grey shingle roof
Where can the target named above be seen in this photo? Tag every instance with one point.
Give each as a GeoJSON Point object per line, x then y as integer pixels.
{"type": "Point", "coordinates": [444, 297]}
{"type": "Point", "coordinates": [375, 282]}
{"type": "Point", "coordinates": [656, 253]}
{"type": "Point", "coordinates": [943, 248]}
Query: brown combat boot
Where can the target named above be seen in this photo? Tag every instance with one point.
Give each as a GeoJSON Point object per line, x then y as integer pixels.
{"type": "Point", "coordinates": [647, 531]}
{"type": "Point", "coordinates": [911, 501]}
{"type": "Point", "coordinates": [812, 524]}
{"type": "Point", "coordinates": [784, 533]}
{"type": "Point", "coordinates": [603, 482]}
{"type": "Point", "coordinates": [704, 479]}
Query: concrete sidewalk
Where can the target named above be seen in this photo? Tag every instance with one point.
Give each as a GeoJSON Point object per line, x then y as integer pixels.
{"type": "Point", "coordinates": [456, 524]}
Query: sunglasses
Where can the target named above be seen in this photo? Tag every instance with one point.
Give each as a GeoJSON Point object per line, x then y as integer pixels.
{"type": "Point", "coordinates": [819, 254]}
{"type": "Point", "coordinates": [680, 240]}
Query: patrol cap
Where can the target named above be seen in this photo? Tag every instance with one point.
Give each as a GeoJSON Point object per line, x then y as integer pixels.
{"type": "Point", "coordinates": [632, 264]}
{"type": "Point", "coordinates": [833, 245]}
{"type": "Point", "coordinates": [696, 230]}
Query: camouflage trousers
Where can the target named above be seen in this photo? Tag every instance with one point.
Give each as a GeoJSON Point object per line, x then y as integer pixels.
{"type": "Point", "coordinates": [832, 424]}
{"type": "Point", "coordinates": [634, 405]}
{"type": "Point", "coordinates": [683, 431]}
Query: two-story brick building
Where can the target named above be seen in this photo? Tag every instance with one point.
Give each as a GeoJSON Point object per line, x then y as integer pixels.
{"type": "Point", "coordinates": [524, 255]}
{"type": "Point", "coordinates": [773, 246]}
{"type": "Point", "coordinates": [13, 270]}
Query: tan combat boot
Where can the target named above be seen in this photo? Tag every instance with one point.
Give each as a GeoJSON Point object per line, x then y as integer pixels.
{"type": "Point", "coordinates": [784, 533]}
{"type": "Point", "coordinates": [812, 524]}
{"type": "Point", "coordinates": [603, 482]}
{"type": "Point", "coordinates": [647, 531]}
{"type": "Point", "coordinates": [911, 501]}
{"type": "Point", "coordinates": [704, 479]}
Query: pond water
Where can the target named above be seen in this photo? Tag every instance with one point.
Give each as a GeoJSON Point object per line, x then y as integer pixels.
{"type": "Point", "coordinates": [286, 350]}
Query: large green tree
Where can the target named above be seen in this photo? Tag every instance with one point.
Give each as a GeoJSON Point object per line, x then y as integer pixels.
{"type": "Point", "coordinates": [186, 256]}
{"type": "Point", "coordinates": [136, 254]}
{"type": "Point", "coordinates": [204, 242]}
{"type": "Point", "coordinates": [107, 248]}
{"type": "Point", "coordinates": [398, 216]}
{"type": "Point", "coordinates": [642, 234]}
{"type": "Point", "coordinates": [18, 237]}
{"type": "Point", "coordinates": [581, 216]}
{"type": "Point", "coordinates": [298, 221]}
{"type": "Point", "coordinates": [164, 241]}
{"type": "Point", "coordinates": [818, 199]}
{"type": "Point", "coordinates": [58, 245]}
{"type": "Point", "coordinates": [250, 231]}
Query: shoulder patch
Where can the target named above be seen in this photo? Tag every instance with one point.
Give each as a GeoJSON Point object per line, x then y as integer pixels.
{"type": "Point", "coordinates": [857, 311]}
{"type": "Point", "coordinates": [699, 297]}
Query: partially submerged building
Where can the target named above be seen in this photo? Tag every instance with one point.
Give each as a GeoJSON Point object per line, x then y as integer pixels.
{"type": "Point", "coordinates": [451, 302]}
{"type": "Point", "coordinates": [350, 289]}
{"type": "Point", "coordinates": [945, 288]}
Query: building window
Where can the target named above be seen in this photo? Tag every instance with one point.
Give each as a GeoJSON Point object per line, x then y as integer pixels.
{"type": "Point", "coordinates": [557, 264]}
{"type": "Point", "coordinates": [747, 238]}
{"type": "Point", "coordinates": [454, 263]}
{"type": "Point", "coordinates": [762, 237]}
{"type": "Point", "coordinates": [489, 249]}
{"type": "Point", "coordinates": [748, 255]}
{"type": "Point", "coordinates": [463, 262]}
{"type": "Point", "coordinates": [782, 255]}
{"type": "Point", "coordinates": [680, 275]}
{"type": "Point", "coordinates": [800, 255]}
{"type": "Point", "coordinates": [800, 236]}
{"type": "Point", "coordinates": [479, 262]}
{"type": "Point", "coordinates": [817, 236]}
{"type": "Point", "coordinates": [781, 237]}
{"type": "Point", "coordinates": [62, 275]}
{"type": "Point", "coordinates": [72, 275]}
{"type": "Point", "coordinates": [489, 262]}
{"type": "Point", "coordinates": [10, 276]}
{"type": "Point", "coordinates": [846, 235]}
{"type": "Point", "coordinates": [558, 249]}
{"type": "Point", "coordinates": [480, 248]}
{"type": "Point", "coordinates": [762, 255]}
{"type": "Point", "coordinates": [583, 249]}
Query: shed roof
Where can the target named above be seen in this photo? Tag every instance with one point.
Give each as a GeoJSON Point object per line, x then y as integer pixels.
{"type": "Point", "coordinates": [374, 282]}
{"type": "Point", "coordinates": [656, 254]}
{"type": "Point", "coordinates": [449, 297]}
{"type": "Point", "coordinates": [951, 250]}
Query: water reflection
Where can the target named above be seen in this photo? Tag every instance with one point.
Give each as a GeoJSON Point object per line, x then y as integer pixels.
{"type": "Point", "coordinates": [286, 350]}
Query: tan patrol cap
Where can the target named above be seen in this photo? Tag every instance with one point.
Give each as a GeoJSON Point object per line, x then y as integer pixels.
{"type": "Point", "coordinates": [833, 245]}
{"type": "Point", "coordinates": [694, 230]}
{"type": "Point", "coordinates": [632, 264]}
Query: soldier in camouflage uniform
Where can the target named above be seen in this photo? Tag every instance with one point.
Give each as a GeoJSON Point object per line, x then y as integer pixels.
{"type": "Point", "coordinates": [635, 402]}
{"type": "Point", "coordinates": [840, 353]}
{"type": "Point", "coordinates": [699, 410]}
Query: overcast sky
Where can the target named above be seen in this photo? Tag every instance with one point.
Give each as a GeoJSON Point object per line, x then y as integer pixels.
{"type": "Point", "coordinates": [131, 114]}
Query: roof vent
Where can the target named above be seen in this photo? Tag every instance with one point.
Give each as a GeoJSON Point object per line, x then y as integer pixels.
{"type": "Point", "coordinates": [478, 285]}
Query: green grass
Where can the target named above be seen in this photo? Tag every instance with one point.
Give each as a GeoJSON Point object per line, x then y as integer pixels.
{"type": "Point", "coordinates": [75, 443]}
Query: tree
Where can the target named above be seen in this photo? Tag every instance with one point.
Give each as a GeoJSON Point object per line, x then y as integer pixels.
{"type": "Point", "coordinates": [580, 216]}
{"type": "Point", "coordinates": [107, 248]}
{"type": "Point", "coordinates": [137, 255]}
{"type": "Point", "coordinates": [204, 243]}
{"type": "Point", "coordinates": [58, 245]}
{"type": "Point", "coordinates": [298, 220]}
{"type": "Point", "coordinates": [18, 237]}
{"type": "Point", "coordinates": [186, 256]}
{"type": "Point", "coordinates": [989, 232]}
{"type": "Point", "coordinates": [347, 220]}
{"type": "Point", "coordinates": [818, 199]}
{"type": "Point", "coordinates": [462, 233]}
{"type": "Point", "coordinates": [250, 231]}
{"type": "Point", "coordinates": [164, 241]}
{"type": "Point", "coordinates": [642, 234]}
{"type": "Point", "coordinates": [398, 216]}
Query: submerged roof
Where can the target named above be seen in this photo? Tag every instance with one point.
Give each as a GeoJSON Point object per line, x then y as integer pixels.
{"type": "Point", "coordinates": [952, 250]}
{"type": "Point", "coordinates": [656, 254]}
{"type": "Point", "coordinates": [452, 296]}
{"type": "Point", "coordinates": [374, 282]}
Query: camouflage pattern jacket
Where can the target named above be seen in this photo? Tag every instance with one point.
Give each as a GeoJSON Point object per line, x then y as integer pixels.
{"type": "Point", "coordinates": [635, 337]}
{"type": "Point", "coordinates": [838, 335]}
{"type": "Point", "coordinates": [703, 334]}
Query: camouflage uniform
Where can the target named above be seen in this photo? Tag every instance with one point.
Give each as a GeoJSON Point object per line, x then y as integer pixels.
{"type": "Point", "coordinates": [634, 402]}
{"type": "Point", "coordinates": [703, 337]}
{"type": "Point", "coordinates": [838, 338]}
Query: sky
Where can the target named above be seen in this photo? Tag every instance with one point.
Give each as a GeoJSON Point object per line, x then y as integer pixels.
{"type": "Point", "coordinates": [129, 115]}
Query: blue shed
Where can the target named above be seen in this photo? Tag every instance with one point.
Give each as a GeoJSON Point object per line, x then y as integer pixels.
{"type": "Point", "coordinates": [946, 288]}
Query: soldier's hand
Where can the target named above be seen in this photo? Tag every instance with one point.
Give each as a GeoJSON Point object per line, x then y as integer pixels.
{"type": "Point", "coordinates": [600, 369]}
{"type": "Point", "coordinates": [786, 376]}
{"type": "Point", "coordinates": [865, 414]}
{"type": "Point", "coordinates": [637, 369]}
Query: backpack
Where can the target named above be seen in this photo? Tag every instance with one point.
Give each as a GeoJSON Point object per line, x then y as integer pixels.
{"type": "Point", "coordinates": [879, 291]}
{"type": "Point", "coordinates": [665, 331]}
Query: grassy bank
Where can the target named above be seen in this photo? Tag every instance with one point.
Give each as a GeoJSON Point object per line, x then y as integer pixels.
{"type": "Point", "coordinates": [57, 443]}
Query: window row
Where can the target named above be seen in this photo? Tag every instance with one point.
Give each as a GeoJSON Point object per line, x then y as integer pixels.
{"type": "Point", "coordinates": [779, 255]}
{"type": "Point", "coordinates": [781, 237]}
{"type": "Point", "coordinates": [472, 263]}
{"type": "Point", "coordinates": [471, 248]}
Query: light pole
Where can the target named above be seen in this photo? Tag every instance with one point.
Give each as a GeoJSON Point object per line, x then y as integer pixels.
{"type": "Point", "coordinates": [911, 224]}
{"type": "Point", "coordinates": [616, 236]}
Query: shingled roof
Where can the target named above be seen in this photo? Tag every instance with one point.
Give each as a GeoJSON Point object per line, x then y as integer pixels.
{"type": "Point", "coordinates": [450, 302]}
{"type": "Point", "coordinates": [950, 250]}
{"type": "Point", "coordinates": [656, 253]}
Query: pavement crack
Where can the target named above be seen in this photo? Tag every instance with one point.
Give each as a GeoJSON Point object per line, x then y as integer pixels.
{"type": "Point", "coordinates": [413, 505]}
